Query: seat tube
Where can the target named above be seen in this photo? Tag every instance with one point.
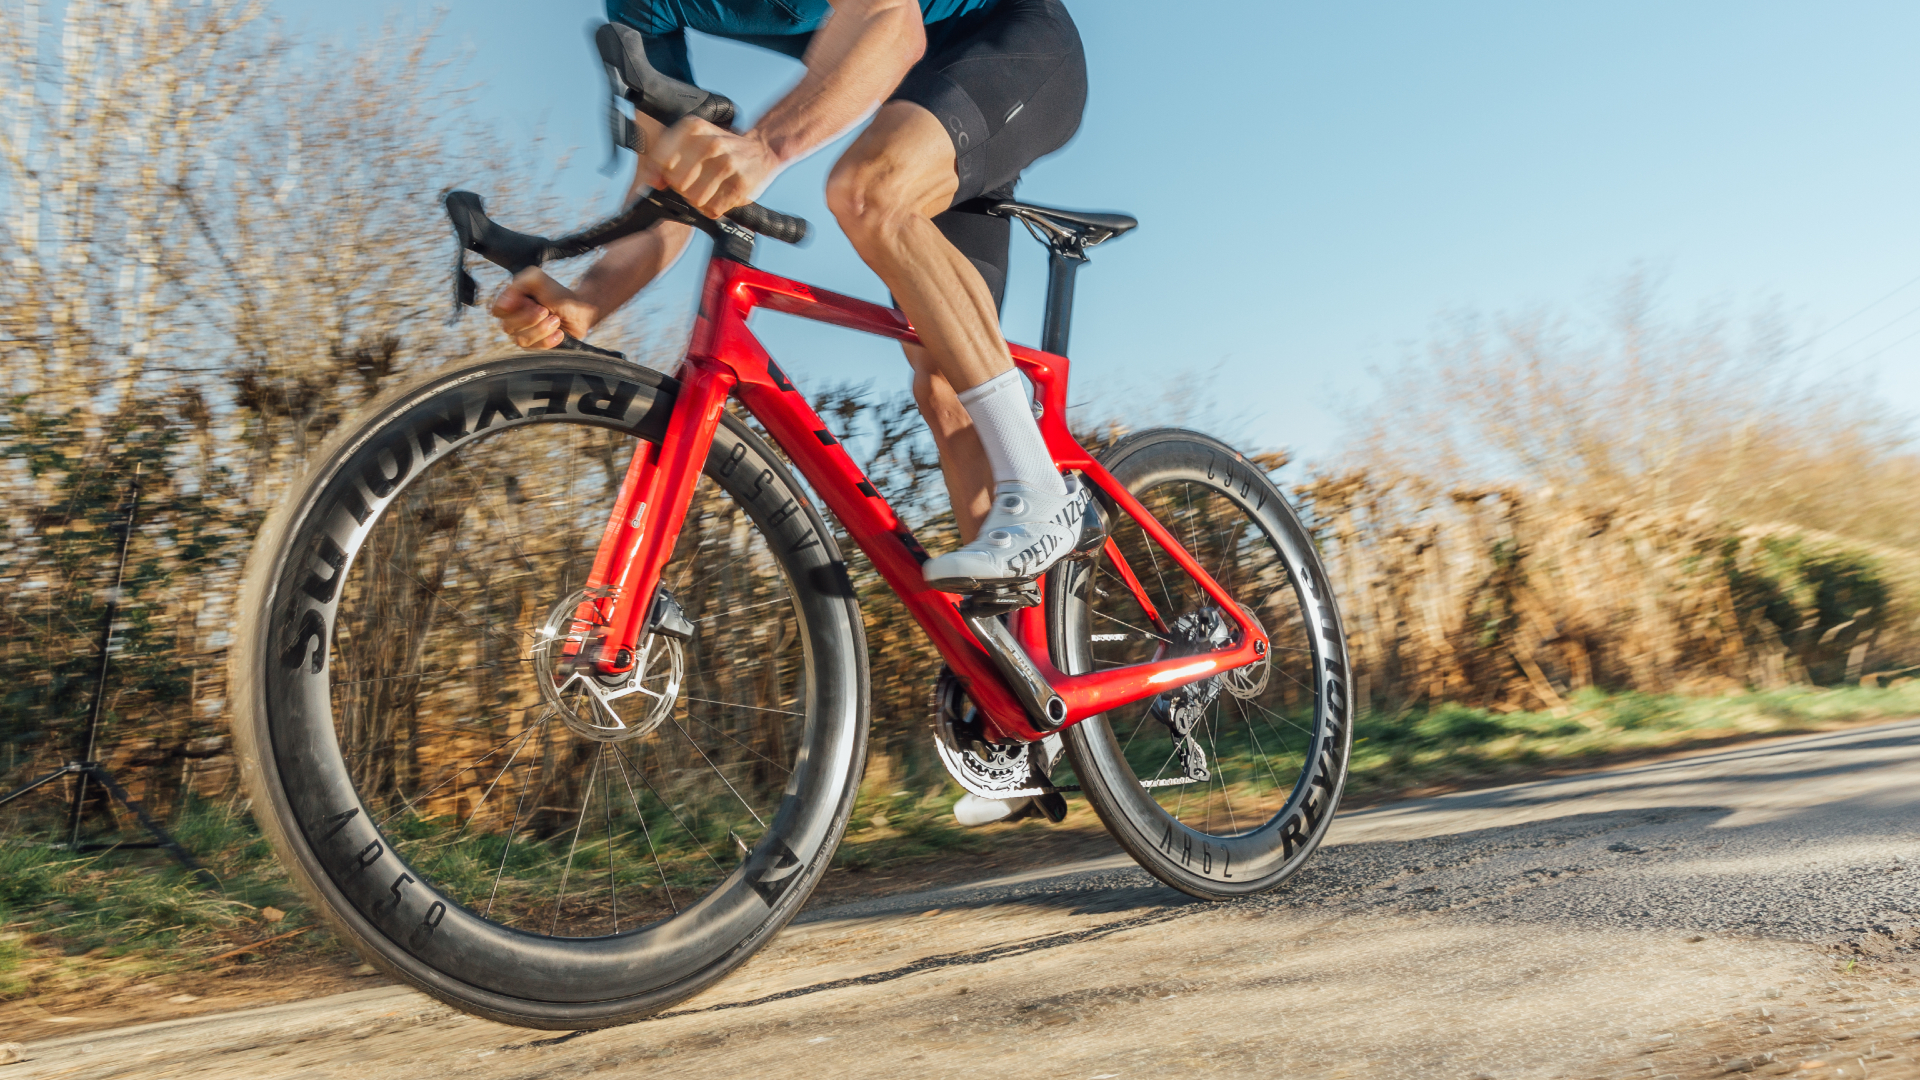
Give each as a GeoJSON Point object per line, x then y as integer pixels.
{"type": "Point", "coordinates": [653, 509]}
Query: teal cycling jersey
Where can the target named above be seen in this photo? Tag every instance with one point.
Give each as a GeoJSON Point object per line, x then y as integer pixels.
{"type": "Point", "coordinates": [751, 19]}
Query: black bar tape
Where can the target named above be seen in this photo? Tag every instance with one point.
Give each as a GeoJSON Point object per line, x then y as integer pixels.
{"type": "Point", "coordinates": [770, 223]}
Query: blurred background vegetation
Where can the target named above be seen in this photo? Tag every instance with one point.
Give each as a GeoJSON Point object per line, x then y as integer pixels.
{"type": "Point", "coordinates": [1554, 537]}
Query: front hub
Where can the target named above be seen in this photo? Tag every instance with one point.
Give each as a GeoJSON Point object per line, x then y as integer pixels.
{"type": "Point", "coordinates": [597, 703]}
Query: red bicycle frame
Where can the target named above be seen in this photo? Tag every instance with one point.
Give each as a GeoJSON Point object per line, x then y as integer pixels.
{"type": "Point", "coordinates": [725, 359]}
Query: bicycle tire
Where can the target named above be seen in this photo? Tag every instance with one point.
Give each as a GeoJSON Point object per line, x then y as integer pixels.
{"type": "Point", "coordinates": [1242, 528]}
{"type": "Point", "coordinates": [354, 845]}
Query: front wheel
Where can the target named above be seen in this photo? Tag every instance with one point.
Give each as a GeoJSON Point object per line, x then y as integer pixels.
{"type": "Point", "coordinates": [1224, 787]}
{"type": "Point", "coordinates": [476, 821]}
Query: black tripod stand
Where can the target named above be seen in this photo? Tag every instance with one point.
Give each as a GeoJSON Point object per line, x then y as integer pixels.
{"type": "Point", "coordinates": [86, 768]}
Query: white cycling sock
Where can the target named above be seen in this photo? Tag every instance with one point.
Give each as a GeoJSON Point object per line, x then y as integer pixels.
{"type": "Point", "coordinates": [1011, 435]}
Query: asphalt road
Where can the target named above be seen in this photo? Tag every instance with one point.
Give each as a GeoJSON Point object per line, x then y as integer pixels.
{"type": "Point", "coordinates": [1753, 909]}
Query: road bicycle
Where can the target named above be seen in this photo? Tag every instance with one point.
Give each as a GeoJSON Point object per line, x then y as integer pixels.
{"type": "Point", "coordinates": [551, 685]}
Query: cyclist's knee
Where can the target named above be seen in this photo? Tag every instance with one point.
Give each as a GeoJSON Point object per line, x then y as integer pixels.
{"type": "Point", "coordinates": [865, 200]}
{"type": "Point", "coordinates": [894, 172]}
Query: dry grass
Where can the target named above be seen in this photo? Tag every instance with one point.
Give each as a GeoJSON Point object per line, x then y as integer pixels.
{"type": "Point", "coordinates": [1538, 508]}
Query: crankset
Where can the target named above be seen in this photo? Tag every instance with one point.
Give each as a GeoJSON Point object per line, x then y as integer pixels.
{"type": "Point", "coordinates": [992, 770]}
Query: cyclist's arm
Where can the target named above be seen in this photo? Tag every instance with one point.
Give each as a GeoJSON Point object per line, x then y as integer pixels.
{"type": "Point", "coordinates": [853, 63]}
{"type": "Point", "coordinates": [536, 311]}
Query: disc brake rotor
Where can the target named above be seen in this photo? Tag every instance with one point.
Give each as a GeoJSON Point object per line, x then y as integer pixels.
{"type": "Point", "coordinates": [584, 700]}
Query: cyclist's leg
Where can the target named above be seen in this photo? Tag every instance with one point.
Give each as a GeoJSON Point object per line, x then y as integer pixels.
{"type": "Point", "coordinates": [911, 165]}
{"type": "Point", "coordinates": [963, 460]}
{"type": "Point", "coordinates": [969, 475]}
{"type": "Point", "coordinates": [885, 192]}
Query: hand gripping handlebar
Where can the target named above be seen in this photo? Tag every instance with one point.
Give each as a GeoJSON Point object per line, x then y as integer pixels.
{"type": "Point", "coordinates": [631, 77]}
{"type": "Point", "coordinates": [666, 99]}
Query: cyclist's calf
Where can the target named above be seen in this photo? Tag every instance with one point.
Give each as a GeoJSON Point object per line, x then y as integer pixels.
{"type": "Point", "coordinates": [963, 459]}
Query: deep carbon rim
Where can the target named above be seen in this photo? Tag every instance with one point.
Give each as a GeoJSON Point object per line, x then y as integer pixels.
{"type": "Point", "coordinates": [414, 921]}
{"type": "Point", "coordinates": [1203, 846]}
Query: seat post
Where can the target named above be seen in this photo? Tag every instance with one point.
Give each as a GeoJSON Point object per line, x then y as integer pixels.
{"type": "Point", "coordinates": [1062, 264]}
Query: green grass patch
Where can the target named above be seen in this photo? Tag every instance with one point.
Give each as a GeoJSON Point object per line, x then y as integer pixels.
{"type": "Point", "coordinates": [1450, 743]}
{"type": "Point", "coordinates": [892, 827]}
{"type": "Point", "coordinates": [63, 912]}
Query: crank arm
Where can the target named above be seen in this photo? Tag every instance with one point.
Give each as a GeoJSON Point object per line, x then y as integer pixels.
{"type": "Point", "coordinates": [1044, 707]}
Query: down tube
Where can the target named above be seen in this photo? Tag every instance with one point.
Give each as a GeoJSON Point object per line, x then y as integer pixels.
{"type": "Point", "coordinates": [876, 529]}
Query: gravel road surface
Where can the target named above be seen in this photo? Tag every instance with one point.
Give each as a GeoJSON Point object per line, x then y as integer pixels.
{"type": "Point", "coordinates": [1753, 910]}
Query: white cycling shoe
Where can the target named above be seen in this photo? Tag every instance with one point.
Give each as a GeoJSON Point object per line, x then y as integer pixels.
{"type": "Point", "coordinates": [973, 810]}
{"type": "Point", "coordinates": [1025, 533]}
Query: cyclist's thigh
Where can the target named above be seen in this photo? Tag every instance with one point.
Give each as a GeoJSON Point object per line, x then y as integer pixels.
{"type": "Point", "coordinates": [1008, 85]}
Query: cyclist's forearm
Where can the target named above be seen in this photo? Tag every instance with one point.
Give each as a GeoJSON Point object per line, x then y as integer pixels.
{"type": "Point", "coordinates": [628, 264]}
{"type": "Point", "coordinates": [854, 62]}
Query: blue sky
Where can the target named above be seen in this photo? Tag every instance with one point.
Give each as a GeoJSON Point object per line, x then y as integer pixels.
{"type": "Point", "coordinates": [1318, 184]}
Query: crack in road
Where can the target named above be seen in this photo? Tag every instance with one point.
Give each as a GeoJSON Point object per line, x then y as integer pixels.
{"type": "Point", "coordinates": [953, 959]}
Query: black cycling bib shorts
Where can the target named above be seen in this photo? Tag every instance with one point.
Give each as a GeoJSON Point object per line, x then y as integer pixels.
{"type": "Point", "coordinates": [1007, 82]}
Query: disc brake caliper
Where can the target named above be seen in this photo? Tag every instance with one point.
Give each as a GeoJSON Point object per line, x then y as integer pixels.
{"type": "Point", "coordinates": [588, 698]}
{"type": "Point", "coordinates": [1195, 632]}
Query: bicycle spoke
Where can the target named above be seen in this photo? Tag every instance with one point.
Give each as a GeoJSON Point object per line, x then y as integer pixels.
{"type": "Point", "coordinates": [1166, 594]}
{"type": "Point", "coordinates": [488, 794]}
{"type": "Point", "coordinates": [1161, 772]}
{"type": "Point", "coordinates": [1261, 751]}
{"type": "Point", "coordinates": [1282, 719]}
{"type": "Point", "coordinates": [407, 803]}
{"type": "Point", "coordinates": [1193, 543]}
{"type": "Point", "coordinates": [518, 809]}
{"type": "Point", "coordinates": [575, 844]}
{"type": "Point", "coordinates": [739, 744]}
{"type": "Point", "coordinates": [1220, 771]}
{"type": "Point", "coordinates": [716, 771]}
{"type": "Point", "coordinates": [695, 837]}
{"type": "Point", "coordinates": [606, 804]}
{"type": "Point", "coordinates": [620, 759]}
{"type": "Point", "coordinates": [434, 595]}
{"type": "Point", "coordinates": [742, 705]}
{"type": "Point", "coordinates": [1130, 626]}
{"type": "Point", "coordinates": [424, 674]}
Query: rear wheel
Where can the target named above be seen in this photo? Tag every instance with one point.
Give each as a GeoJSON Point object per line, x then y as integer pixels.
{"type": "Point", "coordinates": [478, 820]}
{"type": "Point", "coordinates": [1224, 787]}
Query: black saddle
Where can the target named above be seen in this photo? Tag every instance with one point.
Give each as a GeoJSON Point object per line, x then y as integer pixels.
{"type": "Point", "coordinates": [1075, 230]}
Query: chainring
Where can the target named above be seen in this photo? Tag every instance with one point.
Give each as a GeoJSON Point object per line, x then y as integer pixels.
{"type": "Point", "coordinates": [987, 769]}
